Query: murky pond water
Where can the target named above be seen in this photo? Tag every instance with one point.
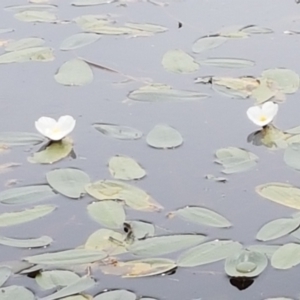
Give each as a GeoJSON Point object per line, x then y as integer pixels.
{"type": "Point", "coordinates": [175, 177]}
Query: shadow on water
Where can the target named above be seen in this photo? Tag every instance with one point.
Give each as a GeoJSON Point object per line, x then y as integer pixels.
{"type": "Point", "coordinates": [174, 177]}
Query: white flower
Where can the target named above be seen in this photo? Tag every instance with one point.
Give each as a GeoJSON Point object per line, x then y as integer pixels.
{"type": "Point", "coordinates": [263, 115]}
{"type": "Point", "coordinates": [55, 130]}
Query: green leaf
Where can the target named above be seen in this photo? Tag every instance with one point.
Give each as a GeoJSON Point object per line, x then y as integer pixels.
{"type": "Point", "coordinates": [55, 279]}
{"type": "Point", "coordinates": [35, 7]}
{"type": "Point", "coordinates": [68, 182]}
{"type": "Point", "coordinates": [76, 287]}
{"type": "Point", "coordinates": [27, 215]}
{"type": "Point", "coordinates": [208, 253]}
{"type": "Point", "coordinates": [20, 138]}
{"type": "Point", "coordinates": [106, 240]}
{"type": "Point", "coordinates": [43, 54]}
{"type": "Point", "coordinates": [294, 130]}
{"type": "Point", "coordinates": [26, 194]}
{"type": "Point", "coordinates": [253, 29]}
{"type": "Point", "coordinates": [90, 2]}
{"type": "Point", "coordinates": [280, 193]}
{"type": "Point", "coordinates": [15, 292]}
{"type": "Point", "coordinates": [160, 245]}
{"type": "Point", "coordinates": [268, 250]}
{"type": "Point", "coordinates": [227, 62]}
{"type": "Point", "coordinates": [5, 273]}
{"type": "Point", "coordinates": [74, 72]}
{"type": "Point", "coordinates": [292, 156]}
{"type": "Point", "coordinates": [79, 40]}
{"type": "Point", "coordinates": [116, 295]}
{"type": "Point", "coordinates": [67, 257]}
{"type": "Point", "coordinates": [159, 94]}
{"type": "Point", "coordinates": [164, 137]}
{"type": "Point", "coordinates": [118, 190]}
{"type": "Point", "coordinates": [246, 264]}
{"type": "Point", "coordinates": [125, 168]}
{"type": "Point", "coordinates": [287, 81]}
{"type": "Point", "coordinates": [55, 152]}
{"type": "Point", "coordinates": [36, 16]}
{"type": "Point", "coordinates": [139, 268]}
{"type": "Point", "coordinates": [153, 28]}
{"type": "Point", "coordinates": [118, 131]}
{"type": "Point", "coordinates": [264, 92]}
{"type": "Point", "coordinates": [141, 229]}
{"type": "Point", "coordinates": [178, 61]}
{"type": "Point", "coordinates": [24, 44]}
{"type": "Point", "coordinates": [277, 228]}
{"type": "Point", "coordinates": [202, 216]}
{"type": "Point", "coordinates": [224, 91]}
{"type": "Point", "coordinates": [206, 43]}
{"type": "Point", "coordinates": [26, 243]}
{"type": "Point", "coordinates": [286, 257]}
{"type": "Point", "coordinates": [108, 213]}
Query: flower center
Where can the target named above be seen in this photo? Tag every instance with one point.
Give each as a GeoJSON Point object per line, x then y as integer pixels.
{"type": "Point", "coordinates": [262, 118]}
{"type": "Point", "coordinates": [56, 130]}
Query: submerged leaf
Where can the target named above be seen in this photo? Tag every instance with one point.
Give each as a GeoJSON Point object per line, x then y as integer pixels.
{"type": "Point", "coordinates": [26, 243]}
{"type": "Point", "coordinates": [146, 27]}
{"type": "Point", "coordinates": [74, 72]}
{"type": "Point", "coordinates": [68, 182]}
{"type": "Point", "coordinates": [20, 138]}
{"type": "Point", "coordinates": [286, 257]}
{"type": "Point", "coordinates": [227, 62]}
{"type": "Point", "coordinates": [79, 40]}
{"type": "Point", "coordinates": [5, 273]}
{"type": "Point", "coordinates": [254, 29]}
{"type": "Point", "coordinates": [206, 43]}
{"type": "Point", "coordinates": [24, 44]}
{"type": "Point", "coordinates": [292, 156]}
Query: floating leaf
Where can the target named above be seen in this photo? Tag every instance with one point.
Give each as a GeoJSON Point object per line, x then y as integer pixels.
{"type": "Point", "coordinates": [139, 268]}
{"type": "Point", "coordinates": [5, 273]}
{"type": "Point", "coordinates": [67, 257]}
{"type": "Point", "coordinates": [246, 264]}
{"type": "Point", "coordinates": [117, 190]}
{"type": "Point", "coordinates": [224, 91]}
{"type": "Point", "coordinates": [164, 137]}
{"type": "Point", "coordinates": [79, 40]}
{"type": "Point", "coordinates": [206, 43]}
{"type": "Point", "coordinates": [108, 213]}
{"type": "Point", "coordinates": [27, 215]}
{"type": "Point", "coordinates": [200, 215]}
{"type": "Point", "coordinates": [36, 16]}
{"type": "Point", "coordinates": [286, 257]}
{"type": "Point", "coordinates": [24, 44]}
{"type": "Point", "coordinates": [158, 94]}
{"type": "Point", "coordinates": [280, 193]}
{"type": "Point", "coordinates": [106, 240]}
{"type": "Point", "coordinates": [264, 92]}
{"type": "Point", "coordinates": [235, 160]}
{"type": "Point", "coordinates": [208, 253]}
{"type": "Point", "coordinates": [74, 72]}
{"type": "Point", "coordinates": [68, 182]}
{"type": "Point", "coordinates": [15, 292]}
{"type": "Point", "coordinates": [26, 7]}
{"type": "Point", "coordinates": [116, 295]}
{"type": "Point", "coordinates": [118, 131]}
{"type": "Point", "coordinates": [268, 250]}
{"type": "Point", "coordinates": [125, 168]}
{"type": "Point", "coordinates": [26, 194]}
{"type": "Point", "coordinates": [55, 152]}
{"type": "Point", "coordinates": [287, 81]}
{"type": "Point", "coordinates": [178, 61]}
{"type": "Point", "coordinates": [233, 32]}
{"type": "Point", "coordinates": [44, 54]}
{"type": "Point", "coordinates": [55, 279]}
{"type": "Point", "coordinates": [294, 130]}
{"type": "Point", "coordinates": [277, 228]}
{"type": "Point", "coordinates": [141, 229]}
{"type": "Point", "coordinates": [26, 243]}
{"type": "Point", "coordinates": [90, 2]}
{"type": "Point", "coordinates": [227, 62]}
{"type": "Point", "coordinates": [146, 27]}
{"type": "Point", "coordinates": [160, 245]}
{"type": "Point", "coordinates": [292, 156]}
{"type": "Point", "coordinates": [76, 287]}
{"type": "Point", "coordinates": [253, 29]}
{"type": "Point", "coordinates": [20, 138]}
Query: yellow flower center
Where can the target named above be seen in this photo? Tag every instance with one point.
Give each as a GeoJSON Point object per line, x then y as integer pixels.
{"type": "Point", "coordinates": [262, 118]}
{"type": "Point", "coordinates": [56, 130]}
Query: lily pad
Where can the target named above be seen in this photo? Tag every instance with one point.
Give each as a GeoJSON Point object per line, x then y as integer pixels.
{"type": "Point", "coordinates": [116, 294]}
{"type": "Point", "coordinates": [42, 241]}
{"type": "Point", "coordinates": [286, 257]}
{"type": "Point", "coordinates": [206, 43]}
{"type": "Point", "coordinates": [79, 40]}
{"type": "Point", "coordinates": [164, 137]}
{"type": "Point", "coordinates": [68, 182]}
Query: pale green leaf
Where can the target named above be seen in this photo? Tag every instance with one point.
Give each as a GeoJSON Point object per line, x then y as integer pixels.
{"type": "Point", "coordinates": [5, 273]}
{"type": "Point", "coordinates": [146, 27]}
{"type": "Point", "coordinates": [292, 156]}
{"type": "Point", "coordinates": [206, 43]}
{"type": "Point", "coordinates": [268, 250]}
{"type": "Point", "coordinates": [36, 16]}
{"type": "Point", "coordinates": [141, 229]}
{"type": "Point", "coordinates": [24, 44]}
{"type": "Point", "coordinates": [116, 295]}
{"type": "Point", "coordinates": [26, 243]}
{"type": "Point", "coordinates": [20, 138]}
{"type": "Point", "coordinates": [286, 257]}
{"type": "Point", "coordinates": [15, 292]}
{"type": "Point", "coordinates": [79, 40]}
{"type": "Point", "coordinates": [227, 62]}
{"type": "Point", "coordinates": [90, 2]}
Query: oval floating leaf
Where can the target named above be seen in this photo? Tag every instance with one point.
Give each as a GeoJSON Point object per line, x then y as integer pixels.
{"type": "Point", "coordinates": [35, 7]}
{"type": "Point", "coordinates": [153, 28]}
{"type": "Point", "coordinates": [268, 250]}
{"type": "Point", "coordinates": [206, 43]}
{"type": "Point", "coordinates": [116, 295]}
{"type": "Point", "coordinates": [79, 40]}
{"type": "Point", "coordinates": [141, 229]}
{"type": "Point", "coordinates": [292, 156]}
{"type": "Point", "coordinates": [178, 61]}
{"type": "Point", "coordinates": [74, 72]}
{"type": "Point", "coordinates": [280, 193]}
{"type": "Point", "coordinates": [26, 243]}
{"type": "Point", "coordinates": [277, 228]}
{"type": "Point", "coordinates": [164, 137]}
{"type": "Point", "coordinates": [20, 138]}
{"type": "Point", "coordinates": [125, 168]}
{"type": "Point", "coordinates": [24, 44]}
{"type": "Point", "coordinates": [67, 257]}
{"type": "Point", "coordinates": [36, 16]}
{"type": "Point", "coordinates": [227, 62]}
{"type": "Point", "coordinates": [108, 213]}
{"type": "Point", "coordinates": [68, 182]}
{"type": "Point", "coordinates": [208, 253]}
{"type": "Point", "coordinates": [117, 190]}
{"type": "Point", "coordinates": [26, 194]}
{"type": "Point", "coordinates": [27, 215]}
{"type": "Point", "coordinates": [286, 257]}
{"type": "Point", "coordinates": [245, 264]}
{"type": "Point", "coordinates": [16, 292]}
{"type": "Point", "coordinates": [118, 131]}
{"type": "Point", "coordinates": [160, 245]}
{"type": "Point", "coordinates": [200, 215]}
{"type": "Point", "coordinates": [5, 273]}
{"type": "Point", "coordinates": [90, 2]}
{"type": "Point", "coordinates": [253, 29]}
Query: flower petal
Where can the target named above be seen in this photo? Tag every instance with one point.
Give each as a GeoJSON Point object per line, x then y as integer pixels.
{"type": "Point", "coordinates": [43, 124]}
{"type": "Point", "coordinates": [66, 124]}
{"type": "Point", "coordinates": [270, 108]}
{"type": "Point", "coordinates": [254, 114]}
